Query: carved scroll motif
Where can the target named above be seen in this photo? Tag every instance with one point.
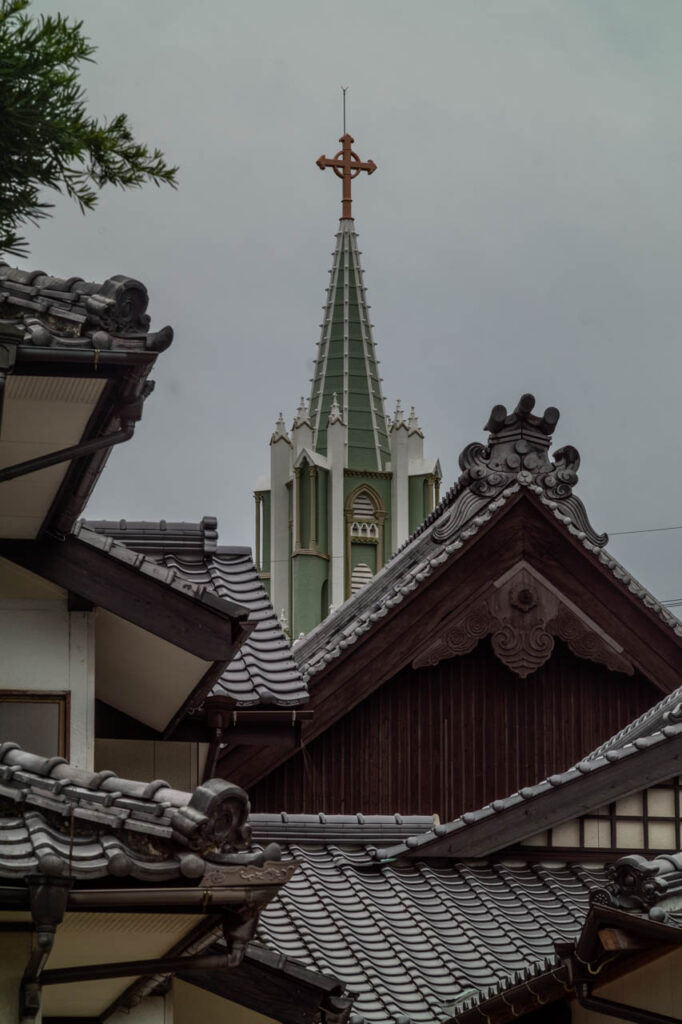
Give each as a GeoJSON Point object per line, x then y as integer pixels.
{"type": "Point", "coordinates": [517, 452]}
{"type": "Point", "coordinates": [522, 650]}
{"type": "Point", "coordinates": [523, 618]}
{"type": "Point", "coordinates": [586, 644]}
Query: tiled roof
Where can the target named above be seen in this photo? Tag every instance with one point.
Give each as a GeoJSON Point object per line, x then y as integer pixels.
{"type": "Point", "coordinates": [159, 538]}
{"type": "Point", "coordinates": [170, 576]}
{"type": "Point", "coordinates": [515, 458]}
{"type": "Point", "coordinates": [667, 712]}
{"type": "Point", "coordinates": [70, 313]}
{"type": "Point", "coordinates": [338, 828]}
{"type": "Point", "coordinates": [263, 670]}
{"type": "Point", "coordinates": [601, 764]}
{"type": "Point", "coordinates": [415, 940]}
{"type": "Point", "coordinates": [92, 824]}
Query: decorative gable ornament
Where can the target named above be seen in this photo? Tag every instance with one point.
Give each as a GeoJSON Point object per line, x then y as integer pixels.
{"type": "Point", "coordinates": [652, 887]}
{"type": "Point", "coordinates": [517, 454]}
{"type": "Point", "coordinates": [523, 614]}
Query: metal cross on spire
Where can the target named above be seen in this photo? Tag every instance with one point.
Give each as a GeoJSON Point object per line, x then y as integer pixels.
{"type": "Point", "coordinates": [346, 165]}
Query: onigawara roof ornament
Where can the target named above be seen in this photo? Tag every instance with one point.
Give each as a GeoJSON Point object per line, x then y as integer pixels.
{"type": "Point", "coordinates": [646, 886]}
{"type": "Point", "coordinates": [346, 165]}
{"type": "Point", "coordinates": [517, 453]}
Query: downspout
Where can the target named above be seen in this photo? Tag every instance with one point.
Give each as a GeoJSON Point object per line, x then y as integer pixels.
{"type": "Point", "coordinates": [75, 451]}
{"type": "Point", "coordinates": [129, 414]}
{"type": "Point", "coordinates": [48, 896]}
{"type": "Point", "coordinates": [582, 976]}
{"type": "Point", "coordinates": [8, 354]}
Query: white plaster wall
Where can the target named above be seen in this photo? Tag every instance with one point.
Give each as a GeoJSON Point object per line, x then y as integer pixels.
{"type": "Point", "coordinates": [82, 688]}
{"type": "Point", "coordinates": [193, 1005]}
{"type": "Point", "coordinates": [46, 647]}
{"type": "Point", "coordinates": [181, 764]}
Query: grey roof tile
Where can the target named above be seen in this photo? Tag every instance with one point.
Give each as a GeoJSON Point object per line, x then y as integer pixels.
{"type": "Point", "coordinates": [665, 717]}
{"type": "Point", "coordinates": [72, 313]}
{"type": "Point", "coordinates": [263, 671]}
{"type": "Point", "coordinates": [411, 939]}
{"type": "Point", "coordinates": [49, 809]}
{"type": "Point", "coordinates": [170, 576]}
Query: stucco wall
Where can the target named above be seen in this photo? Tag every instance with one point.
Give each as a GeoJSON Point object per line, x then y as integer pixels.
{"type": "Point", "coordinates": [180, 764]}
{"type": "Point", "coordinates": [656, 986]}
{"type": "Point", "coordinates": [15, 948]}
{"type": "Point", "coordinates": [193, 1004]}
{"type": "Point", "coordinates": [46, 647]}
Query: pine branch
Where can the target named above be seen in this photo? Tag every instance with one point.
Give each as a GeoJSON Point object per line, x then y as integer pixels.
{"type": "Point", "coordinates": [47, 139]}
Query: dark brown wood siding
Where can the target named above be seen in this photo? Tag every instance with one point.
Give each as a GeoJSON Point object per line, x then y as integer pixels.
{"type": "Point", "coordinates": [452, 738]}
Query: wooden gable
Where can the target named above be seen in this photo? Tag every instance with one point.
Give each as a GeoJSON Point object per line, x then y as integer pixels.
{"type": "Point", "coordinates": [392, 731]}
{"type": "Point", "coordinates": [501, 645]}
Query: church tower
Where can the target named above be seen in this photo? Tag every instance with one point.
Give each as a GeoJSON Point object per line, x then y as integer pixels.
{"type": "Point", "coordinates": [348, 484]}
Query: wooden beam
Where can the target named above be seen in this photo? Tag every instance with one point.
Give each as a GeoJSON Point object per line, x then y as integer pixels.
{"type": "Point", "coordinates": [204, 626]}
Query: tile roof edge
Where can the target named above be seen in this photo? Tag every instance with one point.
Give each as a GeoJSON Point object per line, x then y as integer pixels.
{"type": "Point", "coordinates": [140, 562]}
{"type": "Point", "coordinates": [527, 795]}
{"type": "Point", "coordinates": [194, 823]}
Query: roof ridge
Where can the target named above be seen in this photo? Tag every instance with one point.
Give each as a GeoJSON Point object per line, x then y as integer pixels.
{"type": "Point", "coordinates": [188, 829]}
{"type": "Point", "coordinates": [154, 537]}
{"type": "Point", "coordinates": [55, 311]}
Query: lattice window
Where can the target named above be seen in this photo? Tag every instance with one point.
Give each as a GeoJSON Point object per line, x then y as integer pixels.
{"type": "Point", "coordinates": [361, 574]}
{"type": "Point", "coordinates": [648, 821]}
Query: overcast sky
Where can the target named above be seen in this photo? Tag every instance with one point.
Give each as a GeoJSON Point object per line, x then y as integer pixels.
{"type": "Point", "coordinates": [523, 232]}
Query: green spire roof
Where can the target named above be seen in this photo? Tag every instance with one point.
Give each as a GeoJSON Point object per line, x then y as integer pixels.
{"type": "Point", "coordinates": [347, 363]}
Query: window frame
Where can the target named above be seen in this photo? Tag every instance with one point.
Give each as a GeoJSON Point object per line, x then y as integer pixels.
{"type": "Point", "coordinates": [60, 697]}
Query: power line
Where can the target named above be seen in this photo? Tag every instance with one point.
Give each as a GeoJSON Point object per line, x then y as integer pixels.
{"type": "Point", "coordinates": [651, 529]}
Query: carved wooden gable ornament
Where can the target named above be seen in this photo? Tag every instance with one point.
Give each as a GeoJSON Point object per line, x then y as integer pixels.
{"type": "Point", "coordinates": [522, 612]}
{"type": "Point", "coordinates": [524, 615]}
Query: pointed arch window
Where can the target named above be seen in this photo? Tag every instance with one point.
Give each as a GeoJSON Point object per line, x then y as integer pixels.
{"type": "Point", "coordinates": [363, 506]}
{"type": "Point", "coordinates": [365, 516]}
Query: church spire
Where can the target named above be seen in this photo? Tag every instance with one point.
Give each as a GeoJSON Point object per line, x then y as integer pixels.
{"type": "Point", "coordinates": [346, 359]}
{"type": "Point", "coordinates": [348, 483]}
